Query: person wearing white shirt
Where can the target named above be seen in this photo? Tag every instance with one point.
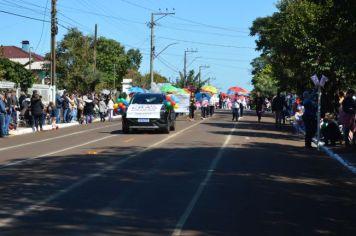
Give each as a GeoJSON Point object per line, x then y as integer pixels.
{"type": "Point", "coordinates": [235, 108]}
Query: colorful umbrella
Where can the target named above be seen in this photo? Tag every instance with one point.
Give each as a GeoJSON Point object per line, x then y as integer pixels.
{"type": "Point", "coordinates": [209, 89]}
{"type": "Point", "coordinates": [199, 96]}
{"type": "Point", "coordinates": [181, 91]}
{"type": "Point", "coordinates": [237, 90]}
{"type": "Point", "coordinates": [169, 89]}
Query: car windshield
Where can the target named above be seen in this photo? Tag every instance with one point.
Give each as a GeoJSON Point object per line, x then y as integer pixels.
{"type": "Point", "coordinates": [148, 99]}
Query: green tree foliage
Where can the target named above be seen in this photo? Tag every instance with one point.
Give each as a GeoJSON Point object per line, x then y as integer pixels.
{"type": "Point", "coordinates": [135, 58]}
{"type": "Point", "coordinates": [15, 72]}
{"type": "Point", "coordinates": [306, 37]}
{"type": "Point", "coordinates": [263, 79]}
{"type": "Point", "coordinates": [192, 79]}
{"type": "Point", "coordinates": [75, 66]}
{"type": "Point", "coordinates": [111, 56]}
{"type": "Point", "coordinates": [75, 62]}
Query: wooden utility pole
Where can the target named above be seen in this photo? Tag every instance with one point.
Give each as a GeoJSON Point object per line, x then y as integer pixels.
{"type": "Point", "coordinates": [54, 31]}
{"type": "Point", "coordinates": [152, 25]}
{"type": "Point", "coordinates": [95, 38]}
{"type": "Point", "coordinates": [185, 65]}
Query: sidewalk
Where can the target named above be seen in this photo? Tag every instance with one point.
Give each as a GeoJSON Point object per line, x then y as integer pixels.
{"type": "Point", "coordinates": [345, 156]}
{"type": "Point", "coordinates": [28, 130]}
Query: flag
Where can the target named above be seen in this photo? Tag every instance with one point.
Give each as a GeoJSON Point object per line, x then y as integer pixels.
{"type": "Point", "coordinates": [323, 80]}
{"type": "Point", "coordinates": [315, 80]}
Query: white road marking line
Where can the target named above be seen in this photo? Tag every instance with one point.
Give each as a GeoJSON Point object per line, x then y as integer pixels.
{"type": "Point", "coordinates": [183, 219]}
{"type": "Point", "coordinates": [54, 138]}
{"type": "Point", "coordinates": [7, 221]}
{"type": "Point", "coordinates": [55, 152]}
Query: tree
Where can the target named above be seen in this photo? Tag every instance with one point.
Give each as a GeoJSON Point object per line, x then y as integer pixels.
{"type": "Point", "coordinates": [15, 72]}
{"type": "Point", "coordinates": [192, 79]}
{"type": "Point", "coordinates": [111, 60]}
{"type": "Point", "coordinates": [304, 37]}
{"type": "Point", "coordinates": [135, 58]}
{"type": "Point", "coordinates": [75, 69]}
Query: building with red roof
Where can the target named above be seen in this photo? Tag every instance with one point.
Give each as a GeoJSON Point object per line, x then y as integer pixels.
{"type": "Point", "coordinates": [23, 56]}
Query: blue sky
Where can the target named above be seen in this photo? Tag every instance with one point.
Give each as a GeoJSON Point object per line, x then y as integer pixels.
{"type": "Point", "coordinates": [217, 29]}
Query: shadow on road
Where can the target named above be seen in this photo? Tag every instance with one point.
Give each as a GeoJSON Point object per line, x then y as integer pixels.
{"type": "Point", "coordinates": [257, 189]}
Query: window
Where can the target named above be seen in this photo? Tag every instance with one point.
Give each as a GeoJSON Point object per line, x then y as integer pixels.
{"type": "Point", "coordinates": [148, 99]}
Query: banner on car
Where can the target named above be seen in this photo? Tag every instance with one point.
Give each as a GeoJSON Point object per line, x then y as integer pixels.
{"type": "Point", "coordinates": [152, 111]}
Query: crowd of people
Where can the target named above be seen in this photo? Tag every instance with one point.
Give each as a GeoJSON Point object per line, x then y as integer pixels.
{"type": "Point", "coordinates": [337, 124]}
{"type": "Point", "coordinates": [33, 112]}
{"type": "Point", "coordinates": [208, 104]}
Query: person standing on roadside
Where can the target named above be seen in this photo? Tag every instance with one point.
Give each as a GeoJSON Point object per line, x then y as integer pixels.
{"type": "Point", "coordinates": [278, 103]}
{"type": "Point", "coordinates": [2, 116]}
{"type": "Point", "coordinates": [259, 101]}
{"type": "Point", "coordinates": [204, 106]}
{"type": "Point", "coordinates": [348, 116]}
{"type": "Point", "coordinates": [102, 109]}
{"type": "Point", "coordinates": [52, 111]}
{"type": "Point", "coordinates": [309, 117]}
{"type": "Point", "coordinates": [14, 108]}
{"type": "Point", "coordinates": [88, 109]}
{"type": "Point", "coordinates": [192, 106]}
{"type": "Point", "coordinates": [65, 107]}
{"type": "Point", "coordinates": [110, 107]}
{"type": "Point", "coordinates": [59, 104]}
{"type": "Point", "coordinates": [37, 110]}
{"type": "Point", "coordinates": [235, 108]}
{"type": "Point", "coordinates": [81, 104]}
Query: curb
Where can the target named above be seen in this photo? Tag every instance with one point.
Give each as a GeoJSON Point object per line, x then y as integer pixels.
{"type": "Point", "coordinates": [333, 155]}
{"type": "Point", "coordinates": [23, 131]}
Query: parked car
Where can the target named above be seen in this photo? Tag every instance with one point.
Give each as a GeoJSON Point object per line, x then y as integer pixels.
{"type": "Point", "coordinates": [146, 111]}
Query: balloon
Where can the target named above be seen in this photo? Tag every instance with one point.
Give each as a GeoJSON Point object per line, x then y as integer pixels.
{"type": "Point", "coordinates": [176, 106]}
{"type": "Point", "coordinates": [168, 98]}
{"type": "Point", "coordinates": [123, 107]}
{"type": "Point", "coordinates": [173, 103]}
{"type": "Point", "coordinates": [118, 100]}
{"type": "Point", "coordinates": [126, 103]}
{"type": "Point", "coordinates": [169, 104]}
{"type": "Point", "coordinates": [116, 106]}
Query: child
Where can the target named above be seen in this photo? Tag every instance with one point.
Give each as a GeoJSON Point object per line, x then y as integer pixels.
{"type": "Point", "coordinates": [298, 121]}
{"type": "Point", "coordinates": [330, 130]}
{"type": "Point", "coordinates": [52, 111]}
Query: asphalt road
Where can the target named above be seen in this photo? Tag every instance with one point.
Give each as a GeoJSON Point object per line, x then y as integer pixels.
{"type": "Point", "coordinates": [211, 177]}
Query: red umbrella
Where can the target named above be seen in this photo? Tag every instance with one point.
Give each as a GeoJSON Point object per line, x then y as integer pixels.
{"type": "Point", "coordinates": [236, 89]}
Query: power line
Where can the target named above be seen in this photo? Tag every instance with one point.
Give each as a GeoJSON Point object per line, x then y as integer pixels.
{"type": "Point", "coordinates": [207, 44]}
{"type": "Point", "coordinates": [205, 32]}
{"type": "Point", "coordinates": [44, 16]}
{"type": "Point", "coordinates": [209, 26]}
{"type": "Point", "coordinates": [31, 18]}
{"type": "Point", "coordinates": [167, 65]}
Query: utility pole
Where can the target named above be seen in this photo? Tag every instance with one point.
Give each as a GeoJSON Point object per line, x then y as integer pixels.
{"type": "Point", "coordinates": [151, 25]}
{"type": "Point", "coordinates": [200, 67]}
{"type": "Point", "coordinates": [95, 37]}
{"type": "Point", "coordinates": [185, 64]}
{"type": "Point", "coordinates": [54, 31]}
{"type": "Point", "coordinates": [29, 59]}
{"type": "Point", "coordinates": [114, 72]}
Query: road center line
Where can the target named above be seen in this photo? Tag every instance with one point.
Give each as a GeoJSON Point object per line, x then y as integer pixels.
{"type": "Point", "coordinates": [38, 206]}
{"type": "Point", "coordinates": [54, 138]}
{"type": "Point", "coordinates": [183, 219]}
